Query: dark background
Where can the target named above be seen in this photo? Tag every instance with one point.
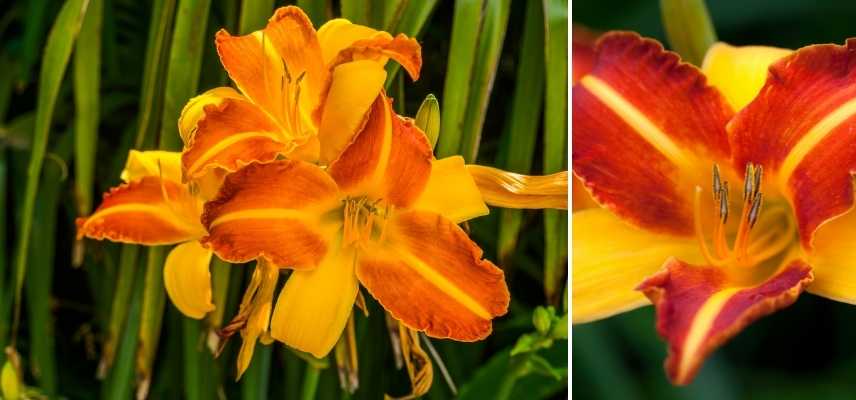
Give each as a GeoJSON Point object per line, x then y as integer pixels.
{"type": "Point", "coordinates": [806, 351]}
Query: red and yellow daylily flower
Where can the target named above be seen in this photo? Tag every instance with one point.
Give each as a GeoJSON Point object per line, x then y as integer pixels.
{"type": "Point", "coordinates": [724, 191]}
{"type": "Point", "coordinates": [383, 215]}
{"type": "Point", "coordinates": [303, 94]}
{"type": "Point", "coordinates": [154, 208]}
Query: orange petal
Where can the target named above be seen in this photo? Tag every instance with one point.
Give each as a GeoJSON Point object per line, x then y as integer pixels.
{"type": "Point", "coordinates": [700, 308]}
{"type": "Point", "coordinates": [401, 48]}
{"type": "Point", "coordinates": [428, 274]}
{"type": "Point", "coordinates": [646, 129]}
{"type": "Point", "coordinates": [231, 135]}
{"type": "Point", "coordinates": [580, 197]}
{"type": "Point", "coordinates": [193, 111]}
{"type": "Point", "coordinates": [390, 159]}
{"type": "Point", "coordinates": [273, 211]}
{"type": "Point", "coordinates": [800, 128]}
{"type": "Point", "coordinates": [257, 71]}
{"type": "Point", "coordinates": [294, 38]}
{"type": "Point", "coordinates": [150, 211]}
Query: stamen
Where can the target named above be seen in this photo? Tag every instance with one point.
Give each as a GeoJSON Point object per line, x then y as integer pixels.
{"type": "Point", "coordinates": [753, 200]}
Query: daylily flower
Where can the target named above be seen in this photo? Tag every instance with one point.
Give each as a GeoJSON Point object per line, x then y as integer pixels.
{"type": "Point", "coordinates": [382, 215]}
{"type": "Point", "coordinates": [659, 146]}
{"type": "Point", "coordinates": [303, 94]}
{"type": "Point", "coordinates": [154, 208]}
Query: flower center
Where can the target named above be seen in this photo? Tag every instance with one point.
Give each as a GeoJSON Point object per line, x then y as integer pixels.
{"type": "Point", "coordinates": [290, 89]}
{"type": "Point", "coordinates": [364, 220]}
{"type": "Point", "coordinates": [743, 252]}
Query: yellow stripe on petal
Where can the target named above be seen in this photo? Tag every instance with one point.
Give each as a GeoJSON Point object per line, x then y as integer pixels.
{"type": "Point", "coordinates": [354, 87]}
{"type": "Point", "coordinates": [314, 306]}
{"type": "Point", "coordinates": [611, 258]}
{"type": "Point", "coordinates": [155, 163]}
{"type": "Point", "coordinates": [634, 117]}
{"type": "Point", "coordinates": [739, 72]}
{"type": "Point", "coordinates": [188, 280]}
{"type": "Point", "coordinates": [510, 190]}
{"type": "Point", "coordinates": [451, 191]}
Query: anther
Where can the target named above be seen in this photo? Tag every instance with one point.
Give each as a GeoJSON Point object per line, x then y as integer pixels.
{"type": "Point", "coordinates": [717, 184]}
{"type": "Point", "coordinates": [756, 209]}
{"type": "Point", "coordinates": [747, 182]}
{"type": "Point", "coordinates": [723, 202]}
{"type": "Point", "coordinates": [759, 172]}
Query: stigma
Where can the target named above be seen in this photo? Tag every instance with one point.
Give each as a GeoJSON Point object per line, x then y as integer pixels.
{"type": "Point", "coordinates": [740, 252]}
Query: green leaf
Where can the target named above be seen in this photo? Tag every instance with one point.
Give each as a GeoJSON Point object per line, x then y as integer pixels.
{"type": "Point", "coordinates": [151, 318]}
{"type": "Point", "coordinates": [540, 365]}
{"type": "Point", "coordinates": [357, 11]}
{"type": "Point", "coordinates": [555, 133]}
{"type": "Point", "coordinates": [489, 49]}
{"type": "Point", "coordinates": [38, 283]}
{"type": "Point", "coordinates": [466, 23]}
{"type": "Point", "coordinates": [255, 382]}
{"type": "Point", "coordinates": [120, 378]}
{"type": "Point", "coordinates": [428, 118]}
{"type": "Point", "coordinates": [57, 53]}
{"type": "Point", "coordinates": [119, 309]}
{"type": "Point", "coordinates": [254, 15]}
{"type": "Point", "coordinates": [688, 28]}
{"type": "Point", "coordinates": [154, 73]}
{"type": "Point", "coordinates": [523, 120]}
{"type": "Point", "coordinates": [87, 73]}
{"type": "Point", "coordinates": [317, 10]}
{"type": "Point", "coordinates": [409, 18]}
{"type": "Point", "coordinates": [185, 62]}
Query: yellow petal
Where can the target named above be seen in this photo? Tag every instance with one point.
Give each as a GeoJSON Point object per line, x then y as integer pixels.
{"type": "Point", "coordinates": [187, 279]}
{"type": "Point", "coordinates": [157, 163]}
{"type": "Point", "coordinates": [193, 111]}
{"type": "Point", "coordinates": [451, 191]}
{"type": "Point", "coordinates": [739, 72]}
{"type": "Point", "coordinates": [354, 87]}
{"type": "Point", "coordinates": [314, 305]}
{"type": "Point", "coordinates": [510, 190]}
{"type": "Point", "coordinates": [340, 33]}
{"type": "Point", "coordinates": [833, 260]}
{"type": "Point", "coordinates": [265, 278]}
{"type": "Point", "coordinates": [611, 258]}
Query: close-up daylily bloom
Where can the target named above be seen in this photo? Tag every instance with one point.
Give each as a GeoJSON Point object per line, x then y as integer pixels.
{"type": "Point", "coordinates": [723, 192]}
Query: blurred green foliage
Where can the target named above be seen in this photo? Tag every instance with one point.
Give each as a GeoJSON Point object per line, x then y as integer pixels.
{"type": "Point", "coordinates": [803, 352]}
{"type": "Point", "coordinates": [94, 319]}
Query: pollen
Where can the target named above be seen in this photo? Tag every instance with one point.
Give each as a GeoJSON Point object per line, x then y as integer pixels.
{"type": "Point", "coordinates": [364, 220]}
{"type": "Point", "coordinates": [743, 251]}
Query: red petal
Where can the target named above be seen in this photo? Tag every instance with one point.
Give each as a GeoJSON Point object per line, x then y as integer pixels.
{"type": "Point", "coordinates": [646, 129]}
{"type": "Point", "coordinates": [699, 308]}
{"type": "Point", "coordinates": [801, 127]}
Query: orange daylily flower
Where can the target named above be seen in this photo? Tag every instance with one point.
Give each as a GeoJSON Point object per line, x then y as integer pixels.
{"type": "Point", "coordinates": [382, 215]}
{"type": "Point", "coordinates": [154, 208]}
{"type": "Point", "coordinates": [658, 145]}
{"type": "Point", "coordinates": [302, 93]}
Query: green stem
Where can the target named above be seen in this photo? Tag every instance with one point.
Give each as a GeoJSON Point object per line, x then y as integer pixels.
{"type": "Point", "coordinates": [310, 382]}
{"type": "Point", "coordinates": [517, 370]}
